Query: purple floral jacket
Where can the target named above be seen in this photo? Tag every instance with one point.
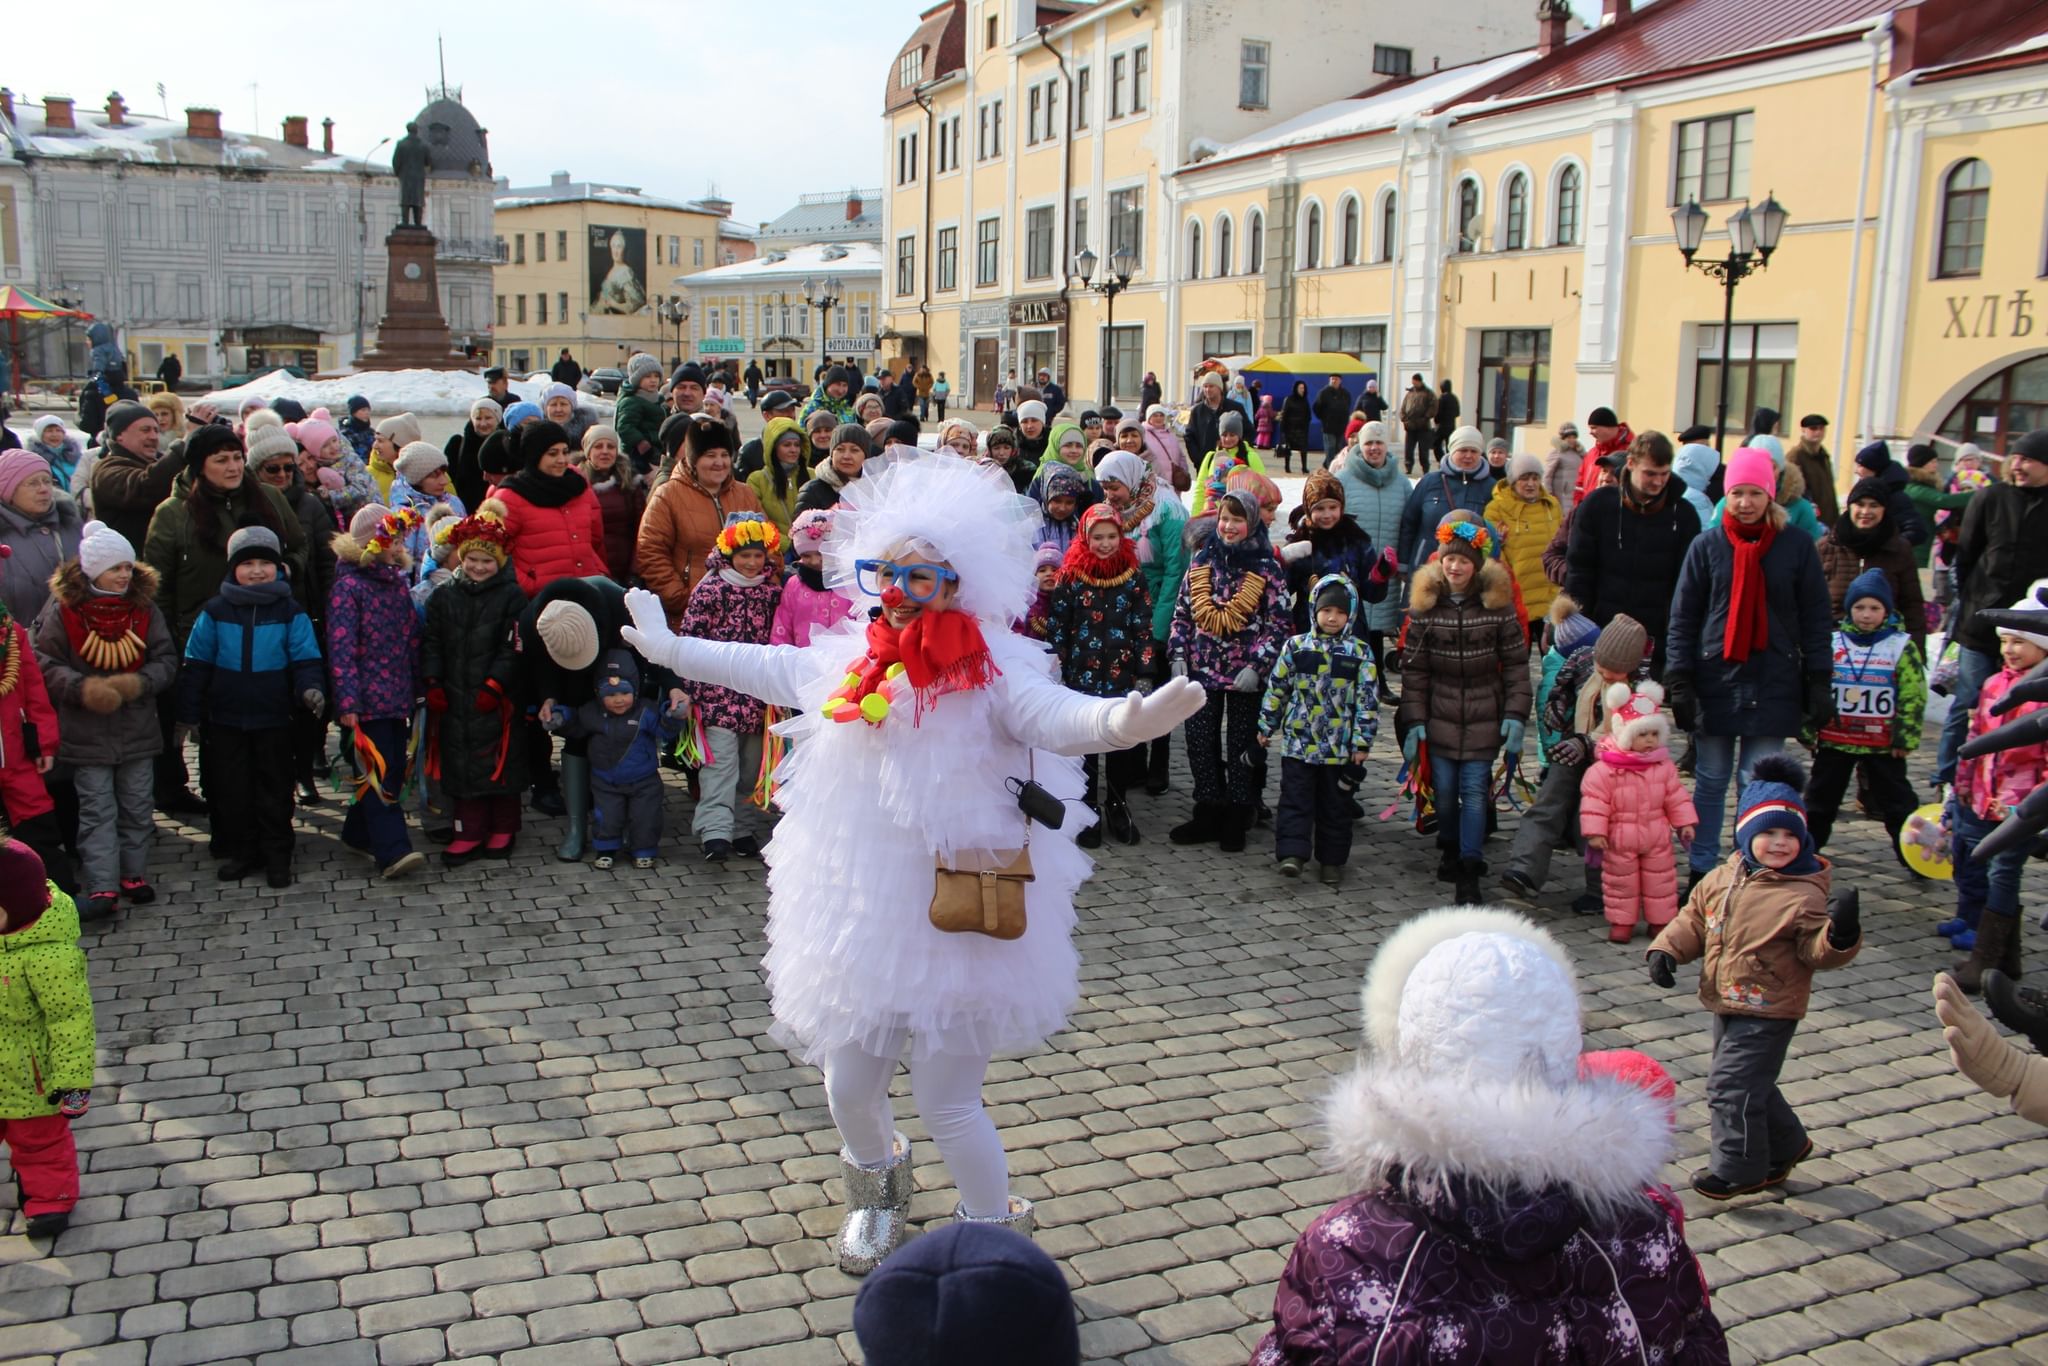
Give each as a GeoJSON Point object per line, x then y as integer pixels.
{"type": "Point", "coordinates": [1215, 661]}
{"type": "Point", "coordinates": [720, 610]}
{"type": "Point", "coordinates": [1477, 1278]}
{"type": "Point", "coordinates": [373, 642]}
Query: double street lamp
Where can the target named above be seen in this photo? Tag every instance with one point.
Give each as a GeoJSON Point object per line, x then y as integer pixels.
{"type": "Point", "coordinates": [675, 312]}
{"type": "Point", "coordinates": [1752, 237]}
{"type": "Point", "coordinates": [1114, 280]}
{"type": "Point", "coordinates": [823, 294]}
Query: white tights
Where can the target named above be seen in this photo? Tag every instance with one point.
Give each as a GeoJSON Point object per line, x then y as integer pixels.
{"type": "Point", "coordinates": [947, 1089]}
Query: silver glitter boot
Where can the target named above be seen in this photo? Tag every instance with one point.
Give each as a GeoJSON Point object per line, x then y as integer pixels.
{"type": "Point", "coordinates": [1022, 1217]}
{"type": "Point", "coordinates": [878, 1209]}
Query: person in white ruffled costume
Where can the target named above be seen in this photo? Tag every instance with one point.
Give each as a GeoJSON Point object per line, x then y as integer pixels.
{"type": "Point", "coordinates": [924, 767]}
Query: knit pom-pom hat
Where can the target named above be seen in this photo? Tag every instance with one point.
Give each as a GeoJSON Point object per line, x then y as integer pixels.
{"type": "Point", "coordinates": [1570, 629]}
{"type": "Point", "coordinates": [1773, 800]}
{"type": "Point", "coordinates": [808, 532]}
{"type": "Point", "coordinates": [1635, 711]}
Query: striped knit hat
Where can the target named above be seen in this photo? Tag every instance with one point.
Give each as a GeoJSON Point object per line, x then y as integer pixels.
{"type": "Point", "coordinates": [1772, 801]}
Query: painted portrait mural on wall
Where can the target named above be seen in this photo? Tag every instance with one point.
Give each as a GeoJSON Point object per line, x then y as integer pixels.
{"type": "Point", "coordinates": [618, 269]}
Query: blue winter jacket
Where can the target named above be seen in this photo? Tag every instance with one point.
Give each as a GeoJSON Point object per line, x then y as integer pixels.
{"type": "Point", "coordinates": [625, 751]}
{"type": "Point", "coordinates": [249, 656]}
{"type": "Point", "coordinates": [1764, 694]}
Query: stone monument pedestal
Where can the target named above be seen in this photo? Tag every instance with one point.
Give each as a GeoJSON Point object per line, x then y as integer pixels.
{"type": "Point", "coordinates": [412, 335]}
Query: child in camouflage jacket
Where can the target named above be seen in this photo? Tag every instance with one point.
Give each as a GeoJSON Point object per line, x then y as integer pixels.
{"type": "Point", "coordinates": [1323, 699]}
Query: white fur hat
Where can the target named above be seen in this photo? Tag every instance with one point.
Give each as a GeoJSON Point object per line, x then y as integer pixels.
{"type": "Point", "coordinates": [1633, 710]}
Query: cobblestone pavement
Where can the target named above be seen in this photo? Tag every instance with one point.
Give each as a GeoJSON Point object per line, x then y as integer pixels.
{"type": "Point", "coordinates": [532, 1118]}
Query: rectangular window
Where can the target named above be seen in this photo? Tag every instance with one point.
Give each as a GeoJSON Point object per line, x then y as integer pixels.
{"type": "Point", "coordinates": [1033, 111]}
{"type": "Point", "coordinates": [319, 230]}
{"type": "Point", "coordinates": [697, 252]}
{"type": "Point", "coordinates": [906, 265]}
{"type": "Point", "coordinates": [732, 320]}
{"type": "Point", "coordinates": [140, 228]}
{"type": "Point", "coordinates": [1038, 243]}
{"type": "Point", "coordinates": [713, 322]}
{"type": "Point", "coordinates": [561, 244]}
{"type": "Point", "coordinates": [540, 248]}
{"type": "Point", "coordinates": [1082, 79]}
{"type": "Point", "coordinates": [562, 305]}
{"type": "Point", "coordinates": [540, 310]}
{"type": "Point", "coordinates": [906, 159]}
{"type": "Point", "coordinates": [241, 298]}
{"type": "Point", "coordinates": [279, 307]}
{"type": "Point", "coordinates": [997, 106]}
{"type": "Point", "coordinates": [1761, 360]}
{"type": "Point", "coordinates": [500, 252]}
{"type": "Point", "coordinates": [319, 300]}
{"type": "Point", "coordinates": [190, 295]}
{"type": "Point", "coordinates": [188, 221]}
{"type": "Point", "coordinates": [1127, 223]}
{"type": "Point", "coordinates": [1392, 61]}
{"type": "Point", "coordinates": [1514, 379]}
{"type": "Point", "coordinates": [948, 131]}
{"type": "Point", "coordinates": [1252, 62]}
{"type": "Point", "coordinates": [988, 244]}
{"type": "Point", "coordinates": [1119, 76]}
{"type": "Point", "coordinates": [522, 310]}
{"type": "Point", "coordinates": [1126, 360]}
{"type": "Point", "coordinates": [501, 310]}
{"type": "Point", "coordinates": [981, 134]}
{"type": "Point", "coordinates": [1052, 109]}
{"type": "Point", "coordinates": [518, 248]}
{"type": "Point", "coordinates": [838, 321]}
{"type": "Point", "coordinates": [1223, 341]}
{"type": "Point", "coordinates": [1368, 343]}
{"type": "Point", "coordinates": [141, 298]}
{"type": "Point", "coordinates": [278, 222]}
{"type": "Point", "coordinates": [1713, 159]}
{"type": "Point", "coordinates": [863, 321]}
{"type": "Point", "coordinates": [195, 358]}
{"type": "Point", "coordinates": [1141, 79]}
{"type": "Point", "coordinates": [947, 261]}
{"type": "Point", "coordinates": [236, 211]}
{"type": "Point", "coordinates": [1077, 240]}
{"type": "Point", "coordinates": [910, 70]}
{"type": "Point", "coordinates": [1041, 350]}
{"type": "Point", "coordinates": [990, 44]}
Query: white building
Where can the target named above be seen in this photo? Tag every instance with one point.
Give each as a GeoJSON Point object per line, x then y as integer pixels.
{"type": "Point", "coordinates": [233, 252]}
{"type": "Point", "coordinates": [763, 309]}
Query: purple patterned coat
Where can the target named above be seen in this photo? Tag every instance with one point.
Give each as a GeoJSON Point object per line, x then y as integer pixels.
{"type": "Point", "coordinates": [373, 642]}
{"type": "Point", "coordinates": [720, 610]}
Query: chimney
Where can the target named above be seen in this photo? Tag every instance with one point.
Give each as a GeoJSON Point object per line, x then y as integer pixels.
{"type": "Point", "coordinates": [1614, 13]}
{"type": "Point", "coordinates": [57, 112]}
{"type": "Point", "coordinates": [327, 136]}
{"type": "Point", "coordinates": [1551, 18]}
{"type": "Point", "coordinates": [117, 111]}
{"type": "Point", "coordinates": [202, 124]}
{"type": "Point", "coordinates": [852, 206]}
{"type": "Point", "coordinates": [7, 103]}
{"type": "Point", "coordinates": [295, 130]}
{"type": "Point", "coordinates": [559, 179]}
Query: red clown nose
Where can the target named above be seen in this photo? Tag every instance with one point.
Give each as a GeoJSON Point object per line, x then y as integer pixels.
{"type": "Point", "coordinates": [892, 596]}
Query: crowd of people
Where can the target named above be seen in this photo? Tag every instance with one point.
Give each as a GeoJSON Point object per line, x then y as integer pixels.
{"type": "Point", "coordinates": [936, 673]}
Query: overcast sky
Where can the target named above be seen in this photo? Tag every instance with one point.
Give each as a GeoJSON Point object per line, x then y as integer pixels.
{"type": "Point", "coordinates": [764, 100]}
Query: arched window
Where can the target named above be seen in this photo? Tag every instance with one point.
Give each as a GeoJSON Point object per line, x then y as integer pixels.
{"type": "Point", "coordinates": [1255, 243]}
{"type": "Point", "coordinates": [1312, 238]}
{"type": "Point", "coordinates": [1468, 215]}
{"type": "Point", "coordinates": [1515, 214]}
{"type": "Point", "coordinates": [1349, 254]}
{"type": "Point", "coordinates": [1965, 207]}
{"type": "Point", "coordinates": [1225, 264]}
{"type": "Point", "coordinates": [1389, 225]}
{"type": "Point", "coordinates": [1194, 251]}
{"type": "Point", "coordinates": [1567, 234]}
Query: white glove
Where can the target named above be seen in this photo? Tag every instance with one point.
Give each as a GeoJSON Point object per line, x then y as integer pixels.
{"type": "Point", "coordinates": [649, 633]}
{"type": "Point", "coordinates": [1140, 719]}
{"type": "Point", "coordinates": [1295, 550]}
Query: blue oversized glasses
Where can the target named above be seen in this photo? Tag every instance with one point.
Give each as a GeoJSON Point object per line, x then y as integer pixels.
{"type": "Point", "coordinates": [920, 582]}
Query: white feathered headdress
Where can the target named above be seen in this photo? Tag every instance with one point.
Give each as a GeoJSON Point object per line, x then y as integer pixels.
{"type": "Point", "coordinates": [952, 509]}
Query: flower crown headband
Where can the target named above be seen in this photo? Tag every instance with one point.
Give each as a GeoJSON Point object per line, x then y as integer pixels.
{"type": "Point", "coordinates": [1473, 534]}
{"type": "Point", "coordinates": [749, 534]}
{"type": "Point", "coordinates": [393, 529]}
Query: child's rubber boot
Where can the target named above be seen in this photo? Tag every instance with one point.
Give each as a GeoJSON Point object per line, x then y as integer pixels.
{"type": "Point", "coordinates": [1997, 944]}
{"type": "Point", "coordinates": [576, 802]}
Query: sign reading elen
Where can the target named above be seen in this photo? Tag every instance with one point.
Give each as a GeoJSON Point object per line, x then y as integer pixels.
{"type": "Point", "coordinates": [712, 345]}
{"type": "Point", "coordinates": [1034, 312]}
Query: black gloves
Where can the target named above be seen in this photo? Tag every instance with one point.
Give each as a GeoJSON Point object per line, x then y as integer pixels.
{"type": "Point", "coordinates": [1819, 706]}
{"type": "Point", "coordinates": [1663, 969]}
{"type": "Point", "coordinates": [1570, 752]}
{"type": "Point", "coordinates": [1845, 917]}
{"type": "Point", "coordinates": [1685, 703]}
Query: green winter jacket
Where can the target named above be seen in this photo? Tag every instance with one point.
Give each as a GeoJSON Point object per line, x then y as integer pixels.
{"type": "Point", "coordinates": [1928, 499]}
{"type": "Point", "coordinates": [1167, 564]}
{"type": "Point", "coordinates": [1323, 698]}
{"type": "Point", "coordinates": [1909, 691]}
{"type": "Point", "coordinates": [46, 1033]}
{"type": "Point", "coordinates": [637, 419]}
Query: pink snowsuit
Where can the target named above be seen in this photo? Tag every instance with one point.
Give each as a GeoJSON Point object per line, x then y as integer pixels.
{"type": "Point", "coordinates": [804, 609]}
{"type": "Point", "coordinates": [1636, 801]}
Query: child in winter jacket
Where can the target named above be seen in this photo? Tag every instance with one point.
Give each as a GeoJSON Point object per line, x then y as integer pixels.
{"type": "Point", "coordinates": [29, 739]}
{"type": "Point", "coordinates": [373, 640]}
{"type": "Point", "coordinates": [1630, 805]}
{"type": "Point", "coordinates": [53, 442]}
{"type": "Point", "coordinates": [1988, 891]}
{"type": "Point", "coordinates": [1228, 623]}
{"type": "Point", "coordinates": [340, 477]}
{"type": "Point", "coordinates": [106, 655]}
{"type": "Point", "coordinates": [1880, 684]}
{"type": "Point", "coordinates": [356, 429]}
{"type": "Point", "coordinates": [1045, 572]}
{"type": "Point", "coordinates": [806, 604]}
{"type": "Point", "coordinates": [251, 660]}
{"type": "Point", "coordinates": [1327, 541]}
{"type": "Point", "coordinates": [1060, 492]}
{"type": "Point", "coordinates": [1528, 516]}
{"type": "Point", "coordinates": [1100, 627]}
{"type": "Point", "coordinates": [735, 601]}
{"type": "Point", "coordinates": [475, 746]}
{"type": "Point", "coordinates": [626, 738]}
{"type": "Point", "coordinates": [1323, 699]}
{"type": "Point", "coordinates": [1265, 426]}
{"type": "Point", "coordinates": [1763, 923]}
{"type": "Point", "coordinates": [46, 1038]}
{"type": "Point", "coordinates": [421, 483]}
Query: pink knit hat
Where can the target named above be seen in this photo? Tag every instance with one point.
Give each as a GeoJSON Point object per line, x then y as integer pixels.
{"type": "Point", "coordinates": [15, 468]}
{"type": "Point", "coordinates": [1752, 466]}
{"type": "Point", "coordinates": [312, 434]}
{"type": "Point", "coordinates": [809, 530]}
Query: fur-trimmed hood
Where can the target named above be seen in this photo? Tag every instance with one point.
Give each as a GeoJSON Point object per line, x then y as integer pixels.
{"type": "Point", "coordinates": [1791, 483]}
{"type": "Point", "coordinates": [1429, 587]}
{"type": "Point", "coordinates": [70, 586]}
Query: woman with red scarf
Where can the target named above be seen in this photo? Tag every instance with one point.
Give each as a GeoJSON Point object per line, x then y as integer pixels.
{"type": "Point", "coordinates": [1748, 661]}
{"type": "Point", "coordinates": [921, 739]}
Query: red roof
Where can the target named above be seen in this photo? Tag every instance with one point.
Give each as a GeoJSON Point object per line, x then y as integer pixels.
{"type": "Point", "coordinates": [941, 34]}
{"type": "Point", "coordinates": [1672, 35]}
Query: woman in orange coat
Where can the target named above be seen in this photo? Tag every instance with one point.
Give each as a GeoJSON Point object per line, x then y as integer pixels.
{"type": "Point", "coordinates": [553, 519]}
{"type": "Point", "coordinates": [685, 515]}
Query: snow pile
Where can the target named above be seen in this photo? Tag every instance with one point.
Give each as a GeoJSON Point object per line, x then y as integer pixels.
{"type": "Point", "coordinates": [426, 393]}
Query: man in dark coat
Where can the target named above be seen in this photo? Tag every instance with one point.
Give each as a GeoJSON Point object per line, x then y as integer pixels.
{"type": "Point", "coordinates": [130, 479]}
{"type": "Point", "coordinates": [1628, 544]}
{"type": "Point", "coordinates": [1054, 396]}
{"type": "Point", "coordinates": [1203, 419]}
{"type": "Point", "coordinates": [1333, 410]}
{"type": "Point", "coordinates": [171, 371]}
{"type": "Point", "coordinates": [566, 371]}
{"type": "Point", "coordinates": [2001, 550]}
{"type": "Point", "coordinates": [1810, 454]}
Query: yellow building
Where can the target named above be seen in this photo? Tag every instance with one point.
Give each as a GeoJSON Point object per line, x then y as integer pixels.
{"type": "Point", "coordinates": [1508, 225]}
{"type": "Point", "coordinates": [1018, 135]}
{"type": "Point", "coordinates": [586, 266]}
{"type": "Point", "coordinates": [788, 310]}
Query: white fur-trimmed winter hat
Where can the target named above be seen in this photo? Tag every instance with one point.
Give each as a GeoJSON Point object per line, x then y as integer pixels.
{"type": "Point", "coordinates": [1634, 710]}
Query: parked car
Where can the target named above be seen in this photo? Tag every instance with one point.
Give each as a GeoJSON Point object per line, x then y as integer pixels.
{"type": "Point", "coordinates": [796, 388]}
{"type": "Point", "coordinates": [610, 379]}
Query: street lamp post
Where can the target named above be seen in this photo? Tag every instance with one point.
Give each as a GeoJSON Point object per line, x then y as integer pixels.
{"type": "Point", "coordinates": [1752, 237]}
{"type": "Point", "coordinates": [675, 312]}
{"type": "Point", "coordinates": [1117, 278]}
{"type": "Point", "coordinates": [823, 294]}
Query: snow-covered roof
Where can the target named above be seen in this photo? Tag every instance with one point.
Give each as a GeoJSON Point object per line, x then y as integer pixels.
{"type": "Point", "coordinates": [822, 218]}
{"type": "Point", "coordinates": [1380, 110]}
{"type": "Point", "coordinates": [574, 191]}
{"type": "Point", "coordinates": [847, 258]}
{"type": "Point", "coordinates": [149, 140]}
{"type": "Point", "coordinates": [425, 393]}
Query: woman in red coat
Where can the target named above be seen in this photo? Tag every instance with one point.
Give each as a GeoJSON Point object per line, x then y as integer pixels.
{"type": "Point", "coordinates": [28, 746]}
{"type": "Point", "coordinates": [556, 525]}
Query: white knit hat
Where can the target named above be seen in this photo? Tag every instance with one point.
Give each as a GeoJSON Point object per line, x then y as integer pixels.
{"type": "Point", "coordinates": [1467, 439]}
{"type": "Point", "coordinates": [267, 441]}
{"type": "Point", "coordinates": [2031, 603]}
{"type": "Point", "coordinates": [419, 460]}
{"type": "Point", "coordinates": [401, 429]}
{"type": "Point", "coordinates": [100, 548]}
{"type": "Point", "coordinates": [569, 635]}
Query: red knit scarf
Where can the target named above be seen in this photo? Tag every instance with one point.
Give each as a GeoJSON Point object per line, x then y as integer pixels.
{"type": "Point", "coordinates": [940, 652]}
{"type": "Point", "coordinates": [1749, 612]}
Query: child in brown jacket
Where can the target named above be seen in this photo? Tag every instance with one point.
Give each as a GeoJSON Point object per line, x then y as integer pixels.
{"type": "Point", "coordinates": [1763, 922]}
